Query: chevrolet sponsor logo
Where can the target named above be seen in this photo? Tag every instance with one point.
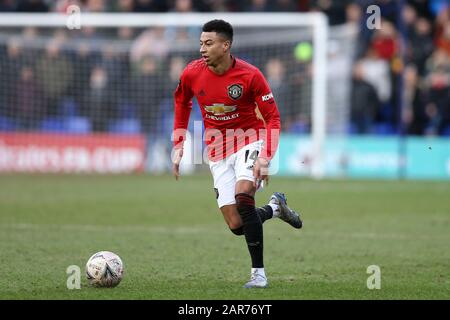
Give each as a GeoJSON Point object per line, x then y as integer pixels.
{"type": "Point", "coordinates": [220, 108]}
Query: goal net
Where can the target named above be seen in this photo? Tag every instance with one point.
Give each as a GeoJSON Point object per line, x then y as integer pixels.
{"type": "Point", "coordinates": [100, 98]}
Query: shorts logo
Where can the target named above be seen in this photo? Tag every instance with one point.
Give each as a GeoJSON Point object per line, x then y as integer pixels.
{"type": "Point", "coordinates": [217, 193]}
{"type": "Point", "coordinates": [235, 91]}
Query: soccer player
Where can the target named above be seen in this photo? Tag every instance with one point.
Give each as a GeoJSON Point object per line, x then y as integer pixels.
{"type": "Point", "coordinates": [240, 144]}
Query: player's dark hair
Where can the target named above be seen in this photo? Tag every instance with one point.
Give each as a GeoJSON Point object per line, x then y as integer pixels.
{"type": "Point", "coordinates": [221, 27]}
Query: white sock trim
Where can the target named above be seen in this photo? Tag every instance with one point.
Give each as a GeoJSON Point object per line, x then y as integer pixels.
{"type": "Point", "coordinates": [275, 210]}
{"type": "Point", "coordinates": [259, 271]}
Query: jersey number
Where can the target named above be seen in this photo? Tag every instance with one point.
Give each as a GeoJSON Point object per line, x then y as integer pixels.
{"type": "Point", "coordinates": [253, 156]}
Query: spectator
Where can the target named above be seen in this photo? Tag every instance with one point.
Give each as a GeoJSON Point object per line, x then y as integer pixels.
{"type": "Point", "coordinates": [164, 122]}
{"type": "Point", "coordinates": [440, 22]}
{"type": "Point", "coordinates": [32, 6]}
{"type": "Point", "coordinates": [376, 72]}
{"type": "Point", "coordinates": [176, 66]}
{"type": "Point", "coordinates": [216, 6]}
{"type": "Point", "coordinates": [183, 6]}
{"type": "Point", "coordinates": [353, 25]}
{"type": "Point", "coordinates": [301, 82]}
{"type": "Point", "coordinates": [275, 72]}
{"type": "Point", "coordinates": [437, 83]}
{"type": "Point", "coordinates": [421, 44]}
{"type": "Point", "coordinates": [150, 42]}
{"type": "Point", "coordinates": [54, 73]}
{"type": "Point", "coordinates": [100, 110]}
{"type": "Point", "coordinates": [12, 60]}
{"type": "Point", "coordinates": [384, 41]}
{"type": "Point", "coordinates": [63, 5]}
{"type": "Point", "coordinates": [95, 6]}
{"type": "Point", "coordinates": [147, 92]}
{"type": "Point", "coordinates": [423, 7]}
{"type": "Point", "coordinates": [364, 101]}
{"type": "Point", "coordinates": [389, 9]}
{"type": "Point", "coordinates": [151, 6]}
{"type": "Point", "coordinates": [335, 10]}
{"type": "Point", "coordinates": [60, 36]}
{"type": "Point", "coordinates": [258, 6]}
{"type": "Point", "coordinates": [125, 33]}
{"type": "Point", "coordinates": [413, 115]}
{"type": "Point", "coordinates": [353, 14]}
{"type": "Point", "coordinates": [28, 100]}
{"type": "Point", "coordinates": [125, 6]}
{"type": "Point", "coordinates": [89, 34]}
{"type": "Point", "coordinates": [182, 33]}
{"type": "Point", "coordinates": [409, 15]}
{"type": "Point", "coordinates": [116, 67]}
{"type": "Point", "coordinates": [6, 5]}
{"type": "Point", "coordinates": [283, 6]}
{"type": "Point", "coordinates": [443, 41]}
{"type": "Point", "coordinates": [83, 60]}
{"type": "Point", "coordinates": [30, 35]}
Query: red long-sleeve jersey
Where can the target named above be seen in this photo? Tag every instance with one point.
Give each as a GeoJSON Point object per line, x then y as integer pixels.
{"type": "Point", "coordinates": [228, 104]}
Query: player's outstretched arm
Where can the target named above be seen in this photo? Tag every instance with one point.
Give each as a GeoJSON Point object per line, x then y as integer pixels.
{"type": "Point", "coordinates": [183, 106]}
{"type": "Point", "coordinates": [176, 163]}
{"type": "Point", "coordinates": [269, 111]}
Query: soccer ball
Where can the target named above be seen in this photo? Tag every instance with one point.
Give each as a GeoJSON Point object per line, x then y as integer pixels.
{"type": "Point", "coordinates": [104, 269]}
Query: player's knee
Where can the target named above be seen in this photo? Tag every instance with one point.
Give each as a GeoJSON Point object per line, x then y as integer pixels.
{"type": "Point", "coordinates": [234, 223]}
{"type": "Point", "coordinates": [244, 201]}
{"type": "Point", "coordinates": [239, 231]}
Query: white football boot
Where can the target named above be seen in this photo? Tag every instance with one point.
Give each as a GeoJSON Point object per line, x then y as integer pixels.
{"type": "Point", "coordinates": [257, 280]}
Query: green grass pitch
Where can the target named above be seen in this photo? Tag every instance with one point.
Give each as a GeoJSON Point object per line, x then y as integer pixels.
{"type": "Point", "coordinates": [175, 244]}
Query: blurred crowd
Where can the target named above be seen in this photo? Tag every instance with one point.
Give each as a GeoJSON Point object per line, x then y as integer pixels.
{"type": "Point", "coordinates": [400, 71]}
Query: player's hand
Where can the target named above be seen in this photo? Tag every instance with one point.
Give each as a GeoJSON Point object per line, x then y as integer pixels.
{"type": "Point", "coordinates": [177, 155]}
{"type": "Point", "coordinates": [261, 172]}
